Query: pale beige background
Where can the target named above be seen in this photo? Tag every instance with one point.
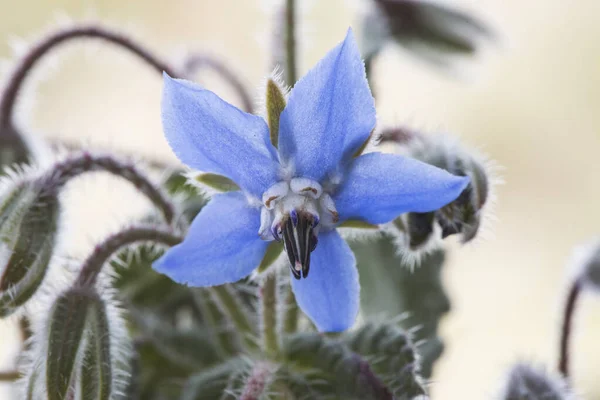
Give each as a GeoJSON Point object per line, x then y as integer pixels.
{"type": "Point", "coordinates": [532, 105]}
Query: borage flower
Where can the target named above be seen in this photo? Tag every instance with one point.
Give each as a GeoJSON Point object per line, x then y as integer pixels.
{"type": "Point", "coordinates": [299, 192]}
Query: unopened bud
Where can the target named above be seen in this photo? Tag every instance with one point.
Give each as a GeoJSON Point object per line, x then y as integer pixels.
{"type": "Point", "coordinates": [526, 382]}
{"type": "Point", "coordinates": [426, 28]}
{"type": "Point", "coordinates": [66, 336]}
{"type": "Point", "coordinates": [586, 264]}
{"type": "Point", "coordinates": [96, 374]}
{"type": "Point", "coordinates": [13, 147]}
{"type": "Point", "coordinates": [464, 215]}
{"type": "Point", "coordinates": [28, 230]}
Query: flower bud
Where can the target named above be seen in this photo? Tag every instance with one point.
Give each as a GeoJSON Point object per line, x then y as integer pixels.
{"type": "Point", "coordinates": [66, 328]}
{"type": "Point", "coordinates": [428, 29]}
{"type": "Point", "coordinates": [28, 230]}
{"type": "Point", "coordinates": [464, 215]}
{"type": "Point", "coordinates": [526, 382]}
{"type": "Point", "coordinates": [586, 264]}
{"type": "Point", "coordinates": [13, 147]}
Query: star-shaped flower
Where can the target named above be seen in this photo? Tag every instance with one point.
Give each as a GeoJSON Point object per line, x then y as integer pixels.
{"type": "Point", "coordinates": [299, 192]}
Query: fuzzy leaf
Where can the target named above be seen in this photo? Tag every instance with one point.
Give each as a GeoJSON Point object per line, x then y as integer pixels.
{"type": "Point", "coordinates": [217, 182]}
{"type": "Point", "coordinates": [217, 382]}
{"type": "Point", "coordinates": [350, 376]}
{"type": "Point", "coordinates": [275, 99]}
{"type": "Point", "coordinates": [388, 286]}
{"type": "Point", "coordinates": [393, 354]}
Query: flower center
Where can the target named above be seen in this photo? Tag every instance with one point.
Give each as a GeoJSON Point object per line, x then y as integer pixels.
{"type": "Point", "coordinates": [294, 211]}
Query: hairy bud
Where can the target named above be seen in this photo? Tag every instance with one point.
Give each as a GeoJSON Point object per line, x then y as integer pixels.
{"type": "Point", "coordinates": [465, 215]}
{"type": "Point", "coordinates": [28, 230]}
{"type": "Point", "coordinates": [13, 147]}
{"type": "Point", "coordinates": [586, 264]}
{"type": "Point", "coordinates": [526, 382]}
{"type": "Point", "coordinates": [66, 327]}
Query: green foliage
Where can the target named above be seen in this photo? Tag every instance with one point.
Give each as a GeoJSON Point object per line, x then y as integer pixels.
{"type": "Point", "coordinates": [242, 340]}
{"type": "Point", "coordinates": [416, 293]}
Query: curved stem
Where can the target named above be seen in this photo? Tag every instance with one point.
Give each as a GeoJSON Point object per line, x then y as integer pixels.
{"type": "Point", "coordinates": [566, 329]}
{"type": "Point", "coordinates": [21, 71]}
{"type": "Point", "coordinates": [268, 301]}
{"type": "Point", "coordinates": [62, 172]}
{"type": "Point", "coordinates": [232, 306]}
{"type": "Point", "coordinates": [93, 264]}
{"type": "Point", "coordinates": [198, 61]}
{"type": "Point", "coordinates": [290, 42]}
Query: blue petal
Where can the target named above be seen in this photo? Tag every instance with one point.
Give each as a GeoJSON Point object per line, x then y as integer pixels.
{"type": "Point", "coordinates": [329, 115]}
{"type": "Point", "coordinates": [379, 187]}
{"type": "Point", "coordinates": [330, 293]}
{"type": "Point", "coordinates": [221, 246]}
{"type": "Point", "coordinates": [211, 135]}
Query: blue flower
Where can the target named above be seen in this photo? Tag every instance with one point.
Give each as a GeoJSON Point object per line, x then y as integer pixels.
{"type": "Point", "coordinates": [298, 193]}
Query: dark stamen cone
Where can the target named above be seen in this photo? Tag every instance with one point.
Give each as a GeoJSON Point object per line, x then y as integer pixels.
{"type": "Point", "coordinates": [299, 240]}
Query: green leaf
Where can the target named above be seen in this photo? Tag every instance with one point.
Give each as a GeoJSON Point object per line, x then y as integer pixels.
{"type": "Point", "coordinates": [273, 251]}
{"type": "Point", "coordinates": [393, 354]}
{"type": "Point", "coordinates": [217, 182]}
{"type": "Point", "coordinates": [275, 101]}
{"type": "Point", "coordinates": [391, 287]}
{"type": "Point", "coordinates": [350, 376]}
{"type": "Point", "coordinates": [217, 382]}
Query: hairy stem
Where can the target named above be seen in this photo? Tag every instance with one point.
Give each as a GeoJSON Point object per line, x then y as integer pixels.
{"type": "Point", "coordinates": [268, 297]}
{"type": "Point", "coordinates": [566, 329]}
{"type": "Point", "coordinates": [290, 318]}
{"type": "Point", "coordinates": [290, 42]}
{"type": "Point", "coordinates": [62, 172]}
{"type": "Point", "coordinates": [93, 264]}
{"type": "Point", "coordinates": [235, 310]}
{"type": "Point", "coordinates": [23, 68]}
{"type": "Point", "coordinates": [198, 61]}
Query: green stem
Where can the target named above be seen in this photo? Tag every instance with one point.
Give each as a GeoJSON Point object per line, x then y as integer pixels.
{"type": "Point", "coordinates": [235, 310]}
{"type": "Point", "coordinates": [290, 319]}
{"type": "Point", "coordinates": [290, 42]}
{"type": "Point", "coordinates": [268, 297]}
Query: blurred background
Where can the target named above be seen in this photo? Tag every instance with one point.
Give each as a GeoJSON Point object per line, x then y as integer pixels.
{"type": "Point", "coordinates": [531, 103]}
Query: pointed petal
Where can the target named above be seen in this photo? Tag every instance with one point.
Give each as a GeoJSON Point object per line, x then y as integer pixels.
{"type": "Point", "coordinates": [329, 295]}
{"type": "Point", "coordinates": [211, 135]}
{"type": "Point", "coordinates": [221, 246]}
{"type": "Point", "coordinates": [379, 187]}
{"type": "Point", "coordinates": [329, 115]}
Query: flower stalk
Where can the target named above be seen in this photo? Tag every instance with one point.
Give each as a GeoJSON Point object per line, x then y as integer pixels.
{"type": "Point", "coordinates": [102, 253]}
{"type": "Point", "coordinates": [290, 42]}
{"type": "Point", "coordinates": [567, 327]}
{"type": "Point", "coordinates": [62, 172]}
{"type": "Point", "coordinates": [232, 307]}
{"type": "Point", "coordinates": [268, 297]}
{"type": "Point", "coordinates": [24, 67]}
{"type": "Point", "coordinates": [290, 318]}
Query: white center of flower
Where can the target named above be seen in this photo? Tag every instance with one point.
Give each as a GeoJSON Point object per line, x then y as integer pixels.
{"type": "Point", "coordinates": [294, 212]}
